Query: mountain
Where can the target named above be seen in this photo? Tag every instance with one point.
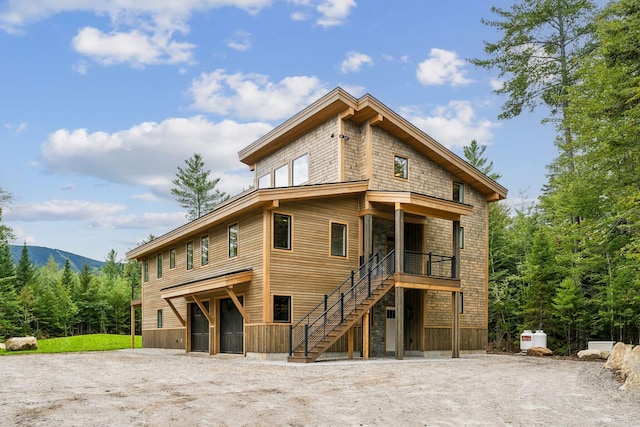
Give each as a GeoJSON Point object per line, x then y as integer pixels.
{"type": "Point", "coordinates": [40, 255]}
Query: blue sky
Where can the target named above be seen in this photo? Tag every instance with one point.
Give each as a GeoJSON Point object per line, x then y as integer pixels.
{"type": "Point", "coordinates": [102, 100]}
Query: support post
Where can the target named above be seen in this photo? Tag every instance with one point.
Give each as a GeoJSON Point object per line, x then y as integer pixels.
{"type": "Point", "coordinates": [455, 264]}
{"type": "Point", "coordinates": [399, 258]}
{"type": "Point", "coordinates": [367, 246]}
{"type": "Point", "coordinates": [350, 343]}
{"type": "Point", "coordinates": [133, 326]}
{"type": "Point", "coordinates": [455, 325]}
{"type": "Point", "coordinates": [365, 336]}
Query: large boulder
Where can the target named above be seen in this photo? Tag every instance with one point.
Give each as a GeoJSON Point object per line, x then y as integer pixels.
{"type": "Point", "coordinates": [539, 351]}
{"type": "Point", "coordinates": [624, 361]}
{"type": "Point", "coordinates": [593, 354]}
{"type": "Point", "coordinates": [617, 355]}
{"type": "Point", "coordinates": [21, 343]}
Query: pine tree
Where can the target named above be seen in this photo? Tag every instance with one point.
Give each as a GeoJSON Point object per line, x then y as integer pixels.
{"type": "Point", "coordinates": [25, 270]}
{"type": "Point", "coordinates": [194, 190]}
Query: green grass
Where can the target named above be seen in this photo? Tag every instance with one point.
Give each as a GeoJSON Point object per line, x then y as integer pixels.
{"type": "Point", "coordinates": [95, 342]}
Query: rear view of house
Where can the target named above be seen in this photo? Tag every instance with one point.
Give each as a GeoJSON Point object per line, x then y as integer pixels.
{"type": "Point", "coordinates": [363, 235]}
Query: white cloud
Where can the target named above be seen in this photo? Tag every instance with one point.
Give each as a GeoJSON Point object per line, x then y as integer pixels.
{"type": "Point", "coordinates": [334, 12]}
{"type": "Point", "coordinates": [240, 40]}
{"type": "Point", "coordinates": [452, 125]}
{"type": "Point", "coordinates": [496, 84]}
{"type": "Point", "coordinates": [354, 62]}
{"type": "Point", "coordinates": [254, 96]}
{"type": "Point", "coordinates": [442, 67]}
{"type": "Point", "coordinates": [21, 127]}
{"type": "Point", "coordinates": [299, 16]}
{"type": "Point", "coordinates": [134, 47]}
{"type": "Point", "coordinates": [61, 210]}
{"type": "Point", "coordinates": [149, 153]}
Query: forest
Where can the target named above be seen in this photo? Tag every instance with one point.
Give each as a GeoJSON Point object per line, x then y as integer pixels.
{"type": "Point", "coordinates": [567, 263]}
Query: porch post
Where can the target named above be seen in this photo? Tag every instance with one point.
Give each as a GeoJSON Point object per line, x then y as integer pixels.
{"type": "Point", "coordinates": [399, 259]}
{"type": "Point", "coordinates": [455, 325]}
{"type": "Point", "coordinates": [133, 326]}
{"type": "Point", "coordinates": [365, 336]}
{"type": "Point", "coordinates": [456, 249]}
{"type": "Point", "coordinates": [367, 245]}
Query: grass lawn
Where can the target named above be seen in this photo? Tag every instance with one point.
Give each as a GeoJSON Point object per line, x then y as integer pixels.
{"type": "Point", "coordinates": [95, 342]}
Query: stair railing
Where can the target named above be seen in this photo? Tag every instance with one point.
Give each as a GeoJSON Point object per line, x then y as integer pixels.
{"type": "Point", "coordinates": [339, 304]}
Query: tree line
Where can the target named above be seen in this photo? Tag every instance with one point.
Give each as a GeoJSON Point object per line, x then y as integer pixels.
{"type": "Point", "coordinates": [570, 263]}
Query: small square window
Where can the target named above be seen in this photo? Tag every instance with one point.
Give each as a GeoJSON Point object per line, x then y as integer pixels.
{"type": "Point", "coordinates": [172, 258]}
{"type": "Point", "coordinates": [159, 318]}
{"type": "Point", "coordinates": [264, 181]}
{"type": "Point", "coordinates": [190, 256]}
{"type": "Point", "coordinates": [300, 169]}
{"type": "Point", "coordinates": [282, 176]}
{"type": "Point", "coordinates": [338, 239]}
{"type": "Point", "coordinates": [458, 192]}
{"type": "Point", "coordinates": [401, 167]}
{"type": "Point", "coordinates": [281, 231]}
{"type": "Point", "coordinates": [204, 250]}
{"type": "Point", "coordinates": [145, 270]}
{"type": "Point", "coordinates": [233, 240]}
{"type": "Point", "coordinates": [159, 266]}
{"type": "Point", "coordinates": [281, 309]}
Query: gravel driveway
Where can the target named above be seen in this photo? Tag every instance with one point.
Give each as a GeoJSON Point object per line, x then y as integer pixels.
{"type": "Point", "coordinates": [150, 387]}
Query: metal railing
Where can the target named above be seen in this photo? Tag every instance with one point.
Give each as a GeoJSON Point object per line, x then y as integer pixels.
{"type": "Point", "coordinates": [339, 304]}
{"type": "Point", "coordinates": [430, 264]}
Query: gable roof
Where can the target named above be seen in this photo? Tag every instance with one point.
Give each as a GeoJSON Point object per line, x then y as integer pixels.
{"type": "Point", "coordinates": [338, 101]}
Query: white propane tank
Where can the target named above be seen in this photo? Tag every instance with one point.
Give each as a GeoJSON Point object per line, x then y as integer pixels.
{"type": "Point", "coordinates": [540, 339]}
{"type": "Point", "coordinates": [526, 340]}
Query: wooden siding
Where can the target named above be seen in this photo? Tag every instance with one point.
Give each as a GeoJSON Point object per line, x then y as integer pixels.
{"type": "Point", "coordinates": [439, 339]}
{"type": "Point", "coordinates": [164, 338]}
{"type": "Point", "coordinates": [308, 271]}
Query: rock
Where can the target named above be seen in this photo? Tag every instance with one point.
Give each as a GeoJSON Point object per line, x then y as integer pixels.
{"type": "Point", "coordinates": [21, 343]}
{"type": "Point", "coordinates": [593, 354]}
{"type": "Point", "coordinates": [617, 355]}
{"type": "Point", "coordinates": [631, 369]}
{"type": "Point", "coordinates": [2, 347]}
{"type": "Point", "coordinates": [539, 351]}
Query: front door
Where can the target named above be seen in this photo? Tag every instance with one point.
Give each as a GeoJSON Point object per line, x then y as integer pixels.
{"type": "Point", "coordinates": [390, 330]}
{"type": "Point", "coordinates": [199, 328]}
{"type": "Point", "coordinates": [231, 325]}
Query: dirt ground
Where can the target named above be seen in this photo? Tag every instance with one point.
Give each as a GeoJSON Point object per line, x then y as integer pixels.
{"type": "Point", "coordinates": [149, 387]}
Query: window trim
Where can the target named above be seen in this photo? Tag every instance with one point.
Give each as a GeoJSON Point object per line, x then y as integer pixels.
{"type": "Point", "coordinates": [345, 242]}
{"type": "Point", "coordinates": [235, 224]}
{"type": "Point", "coordinates": [189, 255]}
{"type": "Point", "coordinates": [290, 312]}
{"type": "Point", "coordinates": [172, 258]}
{"type": "Point", "coordinates": [293, 172]}
{"type": "Point", "coordinates": [204, 250]}
{"type": "Point", "coordinates": [398, 156]}
{"type": "Point", "coordinates": [159, 318]}
{"type": "Point", "coordinates": [159, 258]}
{"type": "Point", "coordinates": [145, 270]}
{"type": "Point", "coordinates": [273, 229]}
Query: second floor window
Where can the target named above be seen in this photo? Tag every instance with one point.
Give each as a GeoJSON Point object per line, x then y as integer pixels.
{"type": "Point", "coordinates": [145, 270]}
{"type": "Point", "coordinates": [190, 256]}
{"type": "Point", "coordinates": [159, 266]}
{"type": "Point", "coordinates": [458, 192]}
{"type": "Point", "coordinates": [204, 250]}
{"type": "Point", "coordinates": [281, 231]}
{"type": "Point", "coordinates": [401, 167]}
{"type": "Point", "coordinates": [233, 240]}
{"type": "Point", "coordinates": [172, 258]}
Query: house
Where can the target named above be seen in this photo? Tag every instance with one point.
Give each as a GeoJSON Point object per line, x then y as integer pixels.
{"type": "Point", "coordinates": [363, 235]}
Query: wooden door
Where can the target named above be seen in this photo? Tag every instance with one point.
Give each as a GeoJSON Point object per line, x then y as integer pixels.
{"type": "Point", "coordinates": [231, 325]}
{"type": "Point", "coordinates": [390, 330]}
{"type": "Point", "coordinates": [199, 328]}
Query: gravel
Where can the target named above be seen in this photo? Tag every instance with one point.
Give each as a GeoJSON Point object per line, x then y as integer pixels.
{"type": "Point", "coordinates": [153, 387]}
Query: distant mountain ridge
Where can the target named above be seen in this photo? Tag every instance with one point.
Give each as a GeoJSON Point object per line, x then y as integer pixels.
{"type": "Point", "coordinates": [40, 255]}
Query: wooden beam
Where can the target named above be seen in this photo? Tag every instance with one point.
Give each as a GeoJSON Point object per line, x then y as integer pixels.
{"type": "Point", "coordinates": [133, 326]}
{"type": "Point", "coordinates": [350, 343]}
{"type": "Point", "coordinates": [236, 301]}
{"type": "Point", "coordinates": [347, 114]}
{"type": "Point", "coordinates": [455, 325]}
{"type": "Point", "coordinates": [266, 265]}
{"type": "Point", "coordinates": [365, 336]}
{"type": "Point", "coordinates": [399, 255]}
{"type": "Point", "coordinates": [173, 308]}
{"type": "Point", "coordinates": [204, 310]}
{"type": "Point", "coordinates": [207, 286]}
{"type": "Point", "coordinates": [376, 120]}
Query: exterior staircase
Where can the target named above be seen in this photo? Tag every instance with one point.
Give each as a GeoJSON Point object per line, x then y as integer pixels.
{"type": "Point", "coordinates": [317, 331]}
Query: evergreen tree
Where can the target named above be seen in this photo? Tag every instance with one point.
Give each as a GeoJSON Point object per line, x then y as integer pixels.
{"type": "Point", "coordinates": [194, 190]}
{"type": "Point", "coordinates": [112, 267]}
{"type": "Point", "coordinates": [25, 270]}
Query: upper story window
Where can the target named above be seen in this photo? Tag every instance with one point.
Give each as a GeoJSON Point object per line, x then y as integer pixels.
{"type": "Point", "coordinates": [338, 239]}
{"type": "Point", "coordinates": [282, 176]}
{"type": "Point", "coordinates": [281, 231]}
{"type": "Point", "coordinates": [159, 266]}
{"type": "Point", "coordinates": [204, 250]}
{"type": "Point", "coordinates": [401, 167]}
{"type": "Point", "coordinates": [172, 258]}
{"type": "Point", "coordinates": [264, 181]}
{"type": "Point", "coordinates": [300, 170]}
{"type": "Point", "coordinates": [233, 240]}
{"type": "Point", "coordinates": [458, 192]}
{"type": "Point", "coordinates": [190, 256]}
{"type": "Point", "coordinates": [145, 270]}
